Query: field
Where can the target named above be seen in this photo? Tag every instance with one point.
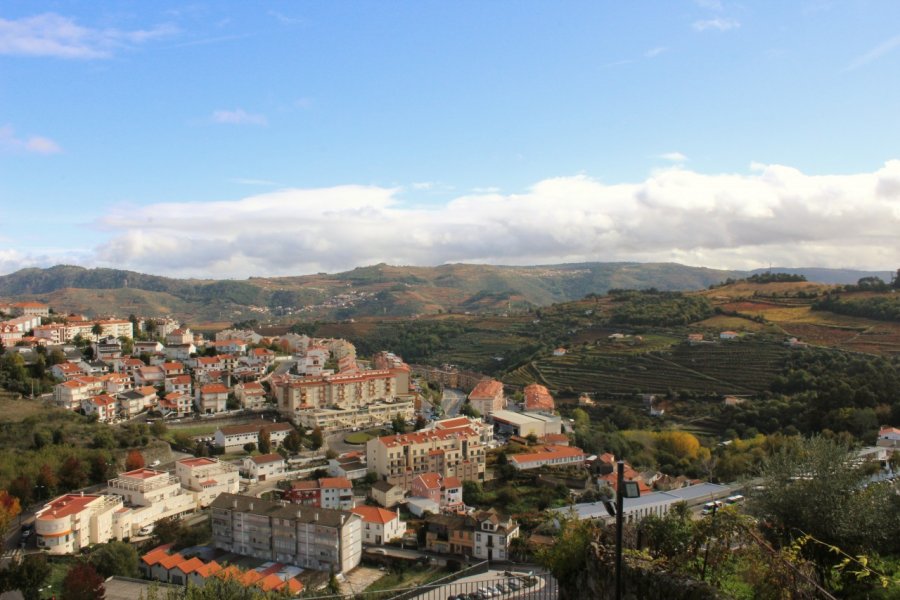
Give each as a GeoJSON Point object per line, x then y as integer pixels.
{"type": "Point", "coordinates": [740, 367]}
{"type": "Point", "coordinates": [16, 410]}
{"type": "Point", "coordinates": [360, 437]}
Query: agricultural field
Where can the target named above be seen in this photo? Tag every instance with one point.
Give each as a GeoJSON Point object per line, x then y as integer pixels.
{"type": "Point", "coordinates": [740, 367]}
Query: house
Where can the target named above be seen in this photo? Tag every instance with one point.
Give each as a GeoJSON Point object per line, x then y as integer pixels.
{"type": "Point", "coordinates": [31, 309]}
{"type": "Point", "coordinates": [311, 538]}
{"type": "Point", "coordinates": [180, 352]}
{"type": "Point", "coordinates": [207, 478]}
{"type": "Point", "coordinates": [69, 394]}
{"type": "Point", "coordinates": [116, 383]}
{"type": "Point", "coordinates": [103, 406]}
{"type": "Point", "coordinates": [380, 526]}
{"type": "Point", "coordinates": [149, 376]}
{"type": "Point", "coordinates": [151, 347]}
{"type": "Point", "coordinates": [133, 402]}
{"type": "Point", "coordinates": [728, 335]}
{"type": "Point", "coordinates": [251, 394]}
{"type": "Point", "coordinates": [538, 398]}
{"type": "Point", "coordinates": [230, 346]}
{"type": "Point", "coordinates": [694, 338]}
{"type": "Point", "coordinates": [493, 535]}
{"type": "Point", "coordinates": [212, 398]}
{"type": "Point", "coordinates": [888, 437]}
{"type": "Point", "coordinates": [66, 371]}
{"type": "Point", "coordinates": [450, 534]}
{"type": "Point", "coordinates": [152, 558]}
{"type": "Point", "coordinates": [178, 383]}
{"type": "Point", "coordinates": [107, 348]}
{"type": "Point", "coordinates": [337, 493]}
{"type": "Point", "coordinates": [446, 492]}
{"type": "Point", "coordinates": [548, 456]}
{"type": "Point", "coordinates": [71, 522]}
{"type": "Point", "coordinates": [487, 397]}
{"type": "Point", "coordinates": [559, 352]}
{"type": "Point", "coordinates": [180, 336]}
{"type": "Point", "coordinates": [265, 466]}
{"type": "Point", "coordinates": [260, 357]}
{"type": "Point", "coordinates": [349, 465]}
{"type": "Point", "coordinates": [386, 494]}
{"type": "Point", "coordinates": [150, 496]}
{"type": "Point", "coordinates": [172, 368]}
{"type": "Point", "coordinates": [233, 438]}
{"type": "Point", "coordinates": [178, 404]}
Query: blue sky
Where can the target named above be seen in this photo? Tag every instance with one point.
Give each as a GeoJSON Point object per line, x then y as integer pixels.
{"type": "Point", "coordinates": [234, 138]}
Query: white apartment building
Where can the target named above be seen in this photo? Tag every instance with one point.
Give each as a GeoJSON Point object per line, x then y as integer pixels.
{"type": "Point", "coordinates": [75, 521]}
{"type": "Point", "coordinates": [70, 394]}
{"type": "Point", "coordinates": [151, 495]}
{"type": "Point", "coordinates": [207, 477]}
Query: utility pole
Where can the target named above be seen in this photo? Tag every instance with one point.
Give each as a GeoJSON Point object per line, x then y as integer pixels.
{"type": "Point", "coordinates": [620, 522]}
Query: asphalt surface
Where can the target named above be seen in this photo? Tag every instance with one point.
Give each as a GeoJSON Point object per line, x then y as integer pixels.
{"type": "Point", "coordinates": [452, 401]}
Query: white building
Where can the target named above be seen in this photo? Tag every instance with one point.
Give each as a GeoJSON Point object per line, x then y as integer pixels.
{"type": "Point", "coordinates": [493, 535]}
{"type": "Point", "coordinates": [379, 525]}
{"type": "Point", "coordinates": [152, 496]}
{"type": "Point", "coordinates": [75, 521]}
{"type": "Point", "coordinates": [207, 477]}
{"type": "Point", "coordinates": [233, 438]}
{"type": "Point", "coordinates": [265, 466]}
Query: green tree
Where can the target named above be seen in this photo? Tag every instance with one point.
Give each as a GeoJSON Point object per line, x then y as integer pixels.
{"type": "Point", "coordinates": [27, 577]}
{"type": "Point", "coordinates": [72, 474]}
{"type": "Point", "coordinates": [97, 329]}
{"type": "Point", "coordinates": [115, 558]}
{"type": "Point", "coordinates": [398, 424]}
{"type": "Point", "coordinates": [249, 447]}
{"type": "Point", "coordinates": [292, 442]}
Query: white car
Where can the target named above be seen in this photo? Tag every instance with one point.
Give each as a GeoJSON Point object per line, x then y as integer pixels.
{"type": "Point", "coordinates": [155, 463]}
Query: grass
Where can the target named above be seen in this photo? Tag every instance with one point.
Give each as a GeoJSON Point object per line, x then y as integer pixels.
{"type": "Point", "coordinates": [359, 437]}
{"type": "Point", "coordinates": [16, 410]}
{"type": "Point", "coordinates": [408, 577]}
{"type": "Point", "coordinates": [59, 566]}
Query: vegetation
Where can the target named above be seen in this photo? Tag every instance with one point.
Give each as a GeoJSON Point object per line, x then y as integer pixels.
{"type": "Point", "coordinates": [880, 308]}
{"type": "Point", "coordinates": [651, 307]}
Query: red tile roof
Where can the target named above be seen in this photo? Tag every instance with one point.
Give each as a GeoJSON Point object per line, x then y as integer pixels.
{"type": "Point", "coordinates": [537, 397]}
{"type": "Point", "coordinates": [335, 482]}
{"type": "Point", "coordinates": [374, 514]}
{"type": "Point", "coordinates": [487, 388]}
{"type": "Point", "coordinates": [264, 459]}
{"type": "Point", "coordinates": [548, 453]}
{"type": "Point", "coordinates": [67, 505]}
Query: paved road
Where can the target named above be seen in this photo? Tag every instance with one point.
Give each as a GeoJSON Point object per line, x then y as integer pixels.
{"type": "Point", "coordinates": [452, 401]}
{"type": "Point", "coordinates": [544, 589]}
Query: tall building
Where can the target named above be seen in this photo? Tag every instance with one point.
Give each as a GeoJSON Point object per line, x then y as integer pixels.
{"type": "Point", "coordinates": [313, 538]}
{"type": "Point", "coordinates": [398, 459]}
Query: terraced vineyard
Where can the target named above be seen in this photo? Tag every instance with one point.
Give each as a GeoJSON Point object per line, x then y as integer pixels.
{"type": "Point", "coordinates": [742, 367]}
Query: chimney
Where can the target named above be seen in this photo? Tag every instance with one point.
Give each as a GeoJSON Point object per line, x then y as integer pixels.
{"type": "Point", "coordinates": [317, 516]}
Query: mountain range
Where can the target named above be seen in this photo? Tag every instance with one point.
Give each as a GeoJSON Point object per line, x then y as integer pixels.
{"type": "Point", "coordinates": [365, 291]}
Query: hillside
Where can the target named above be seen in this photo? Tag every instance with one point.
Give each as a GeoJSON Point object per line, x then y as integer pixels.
{"type": "Point", "coordinates": [378, 290]}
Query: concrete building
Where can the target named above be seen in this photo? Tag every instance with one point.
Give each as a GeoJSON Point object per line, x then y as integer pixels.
{"type": "Point", "coordinates": [351, 465]}
{"type": "Point", "coordinates": [312, 538]}
{"type": "Point", "coordinates": [75, 521]}
{"type": "Point", "coordinates": [538, 398]}
{"type": "Point", "coordinates": [548, 456]}
{"type": "Point", "coordinates": [525, 424]}
{"type": "Point", "coordinates": [250, 394]}
{"type": "Point", "coordinates": [212, 398]}
{"type": "Point", "coordinates": [446, 492]}
{"type": "Point", "coordinates": [493, 535]}
{"type": "Point", "coordinates": [386, 494]}
{"type": "Point", "coordinates": [328, 492]}
{"type": "Point", "coordinates": [398, 459]}
{"type": "Point", "coordinates": [233, 438]}
{"type": "Point", "coordinates": [150, 496]}
{"type": "Point", "coordinates": [487, 397]}
{"type": "Point", "coordinates": [265, 466]}
{"type": "Point", "coordinates": [207, 477]}
{"type": "Point", "coordinates": [70, 394]}
{"type": "Point", "coordinates": [379, 525]}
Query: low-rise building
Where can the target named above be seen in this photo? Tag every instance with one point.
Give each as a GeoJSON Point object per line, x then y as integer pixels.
{"type": "Point", "coordinates": [207, 478]}
{"type": "Point", "coordinates": [386, 494]}
{"type": "Point", "coordinates": [379, 525]}
{"type": "Point", "coordinates": [493, 535]}
{"type": "Point", "coordinates": [251, 394]}
{"type": "Point", "coordinates": [103, 406]}
{"type": "Point", "coordinates": [350, 465]}
{"type": "Point", "coordinates": [312, 538]}
{"type": "Point", "coordinates": [70, 394]}
{"type": "Point", "coordinates": [538, 398]}
{"type": "Point", "coordinates": [328, 492]}
{"type": "Point", "coordinates": [525, 424]}
{"type": "Point", "coordinates": [265, 466]}
{"type": "Point", "coordinates": [548, 456]}
{"type": "Point", "coordinates": [151, 496]}
{"type": "Point", "coordinates": [133, 402]}
{"type": "Point", "coordinates": [178, 404]}
{"type": "Point", "coordinates": [446, 492]}
{"type": "Point", "coordinates": [233, 438]}
{"type": "Point", "coordinates": [487, 397]}
{"type": "Point", "coordinates": [212, 398]}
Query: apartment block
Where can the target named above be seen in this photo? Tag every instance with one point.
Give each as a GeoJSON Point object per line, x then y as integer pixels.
{"type": "Point", "coordinates": [207, 477]}
{"type": "Point", "coordinates": [312, 538]}
{"type": "Point", "coordinates": [75, 521]}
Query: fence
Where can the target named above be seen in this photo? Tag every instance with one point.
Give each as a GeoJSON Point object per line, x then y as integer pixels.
{"type": "Point", "coordinates": [478, 582]}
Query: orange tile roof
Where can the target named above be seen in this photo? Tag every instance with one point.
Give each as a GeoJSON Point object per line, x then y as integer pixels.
{"type": "Point", "coordinates": [548, 453]}
{"type": "Point", "coordinates": [374, 514]}
{"type": "Point", "coordinates": [210, 568]}
{"type": "Point", "coordinates": [196, 462]}
{"type": "Point", "coordinates": [171, 560]}
{"type": "Point", "coordinates": [250, 577]}
{"type": "Point", "coordinates": [229, 572]}
{"type": "Point", "coordinates": [67, 505]}
{"type": "Point", "coordinates": [156, 555]}
{"type": "Point", "coordinates": [452, 482]}
{"type": "Point", "coordinates": [431, 480]}
{"type": "Point", "coordinates": [142, 474]}
{"type": "Point", "coordinates": [267, 458]}
{"type": "Point", "coordinates": [214, 388]}
{"type": "Point", "coordinates": [270, 582]}
{"type": "Point", "coordinates": [420, 437]}
{"type": "Point", "coordinates": [537, 397]}
{"type": "Point", "coordinates": [190, 565]}
{"type": "Point", "coordinates": [335, 482]}
{"type": "Point", "coordinates": [487, 388]}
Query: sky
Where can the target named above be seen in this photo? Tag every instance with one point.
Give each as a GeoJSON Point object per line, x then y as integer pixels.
{"type": "Point", "coordinates": [234, 139]}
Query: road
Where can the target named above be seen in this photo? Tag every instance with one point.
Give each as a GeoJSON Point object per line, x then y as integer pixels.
{"type": "Point", "coordinates": [452, 401]}
{"type": "Point", "coordinates": [545, 586]}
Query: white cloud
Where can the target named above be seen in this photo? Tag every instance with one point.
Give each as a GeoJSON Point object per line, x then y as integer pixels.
{"type": "Point", "coordinates": [676, 157]}
{"type": "Point", "coordinates": [238, 116]}
{"type": "Point", "coordinates": [875, 53]}
{"type": "Point", "coordinates": [50, 34]}
{"type": "Point", "coordinates": [654, 52]}
{"type": "Point", "coordinates": [774, 214]}
{"type": "Point", "coordinates": [721, 24]}
{"type": "Point", "coordinates": [709, 4]}
{"type": "Point", "coordinates": [34, 144]}
{"type": "Point", "coordinates": [249, 181]}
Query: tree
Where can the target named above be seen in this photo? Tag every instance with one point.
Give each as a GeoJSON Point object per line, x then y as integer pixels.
{"type": "Point", "coordinates": [22, 488]}
{"type": "Point", "coordinates": [9, 508]}
{"type": "Point", "coordinates": [420, 423]}
{"type": "Point", "coordinates": [47, 482]}
{"type": "Point", "coordinates": [71, 473]}
{"type": "Point", "coordinates": [264, 441]}
{"type": "Point", "coordinates": [317, 438]}
{"type": "Point", "coordinates": [469, 411]}
{"type": "Point", "coordinates": [473, 494]}
{"type": "Point", "coordinates": [134, 460]}
{"type": "Point", "coordinates": [83, 583]}
{"type": "Point", "coordinates": [249, 447]}
{"type": "Point", "coordinates": [293, 441]}
{"type": "Point", "coordinates": [166, 530]}
{"type": "Point", "coordinates": [27, 577]}
{"type": "Point", "coordinates": [398, 424]}
{"type": "Point", "coordinates": [97, 329]}
{"type": "Point", "coordinates": [115, 558]}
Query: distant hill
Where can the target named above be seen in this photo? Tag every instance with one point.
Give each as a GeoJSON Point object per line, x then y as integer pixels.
{"type": "Point", "coordinates": [831, 276]}
{"type": "Point", "coordinates": [377, 290]}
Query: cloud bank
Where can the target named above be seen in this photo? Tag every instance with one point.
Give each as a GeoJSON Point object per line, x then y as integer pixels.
{"type": "Point", "coordinates": [775, 214]}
